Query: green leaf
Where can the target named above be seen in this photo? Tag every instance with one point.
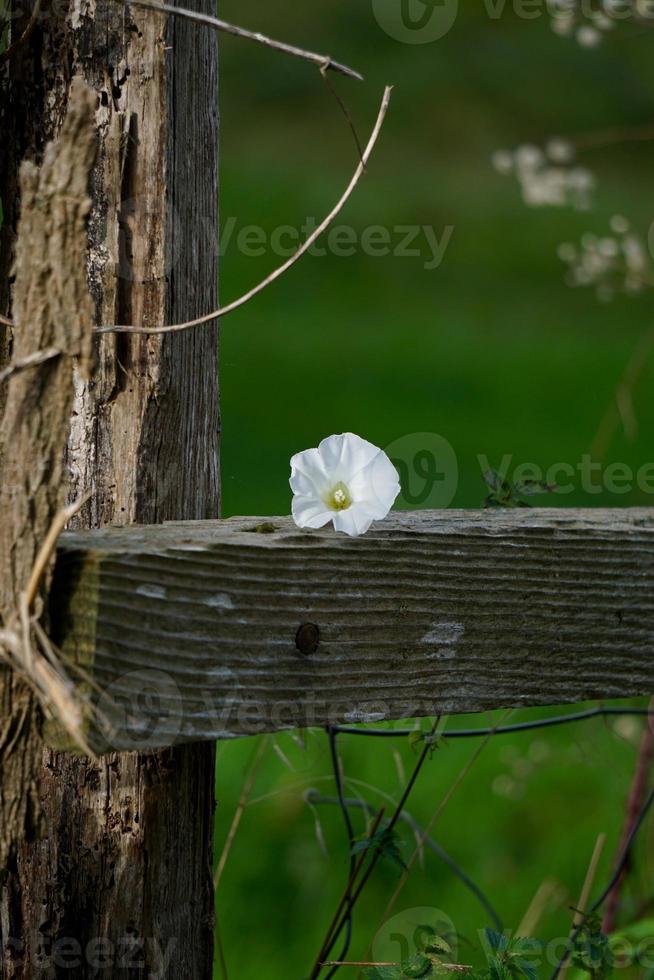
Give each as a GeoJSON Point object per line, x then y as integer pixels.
{"type": "Point", "coordinates": [525, 946]}
{"type": "Point", "coordinates": [415, 739]}
{"type": "Point", "coordinates": [530, 488]}
{"type": "Point", "coordinates": [591, 951]}
{"type": "Point", "coordinates": [385, 842]}
{"type": "Point", "coordinates": [392, 852]}
{"type": "Point", "coordinates": [636, 931]}
{"type": "Point", "coordinates": [419, 966]}
{"type": "Point", "coordinates": [437, 945]}
{"type": "Point", "coordinates": [496, 482]}
{"type": "Point", "coordinates": [527, 968]}
{"type": "Point", "coordinates": [498, 969]}
{"type": "Point", "coordinates": [496, 940]}
{"type": "Point", "coordinates": [434, 740]}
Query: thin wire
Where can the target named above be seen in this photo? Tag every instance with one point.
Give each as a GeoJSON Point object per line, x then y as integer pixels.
{"type": "Point", "coordinates": [523, 726]}
{"type": "Point", "coordinates": [426, 750]}
{"type": "Point", "coordinates": [316, 799]}
{"type": "Point", "coordinates": [324, 61]}
{"type": "Point", "coordinates": [597, 712]}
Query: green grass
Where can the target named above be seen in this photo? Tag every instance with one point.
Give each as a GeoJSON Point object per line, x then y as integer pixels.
{"type": "Point", "coordinates": [529, 811]}
{"type": "Point", "coordinates": [490, 350]}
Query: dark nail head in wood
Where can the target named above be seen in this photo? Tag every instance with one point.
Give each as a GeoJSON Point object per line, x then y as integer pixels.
{"type": "Point", "coordinates": [307, 638]}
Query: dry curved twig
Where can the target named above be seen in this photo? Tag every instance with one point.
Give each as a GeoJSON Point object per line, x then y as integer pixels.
{"type": "Point", "coordinates": [32, 360]}
{"type": "Point", "coordinates": [26, 648]}
{"type": "Point", "coordinates": [324, 61]}
{"type": "Point", "coordinates": [280, 270]}
{"type": "Point", "coordinates": [11, 50]}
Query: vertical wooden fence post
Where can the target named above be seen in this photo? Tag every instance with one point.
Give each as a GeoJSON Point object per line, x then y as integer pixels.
{"type": "Point", "coordinates": [53, 311]}
{"type": "Point", "coordinates": [122, 879]}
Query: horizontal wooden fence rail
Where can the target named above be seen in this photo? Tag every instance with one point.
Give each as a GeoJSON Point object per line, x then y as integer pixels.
{"type": "Point", "coordinates": [192, 631]}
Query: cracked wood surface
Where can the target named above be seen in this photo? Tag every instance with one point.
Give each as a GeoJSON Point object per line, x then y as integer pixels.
{"type": "Point", "coordinates": [127, 854]}
{"type": "Point", "coordinates": [52, 309]}
{"type": "Point", "coordinates": [191, 629]}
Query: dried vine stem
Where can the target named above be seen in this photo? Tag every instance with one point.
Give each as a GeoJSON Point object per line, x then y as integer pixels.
{"type": "Point", "coordinates": [324, 61]}
{"type": "Point", "coordinates": [344, 109]}
{"type": "Point", "coordinates": [314, 798]}
{"type": "Point", "coordinates": [435, 816]}
{"type": "Point", "coordinates": [637, 792]}
{"type": "Point", "coordinates": [6, 55]}
{"type": "Point", "coordinates": [582, 901]}
{"type": "Point", "coordinates": [30, 360]}
{"type": "Point", "coordinates": [248, 783]}
{"type": "Point", "coordinates": [615, 877]}
{"type": "Point", "coordinates": [26, 648]}
{"type": "Point", "coordinates": [346, 899]}
{"type": "Point", "coordinates": [280, 270]}
{"type": "Point", "coordinates": [351, 897]}
{"type": "Point", "coordinates": [620, 405]}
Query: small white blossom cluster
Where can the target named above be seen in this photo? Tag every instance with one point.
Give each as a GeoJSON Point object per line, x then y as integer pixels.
{"type": "Point", "coordinates": [547, 177]}
{"type": "Point", "coordinates": [617, 262]}
{"type": "Point", "coordinates": [586, 26]}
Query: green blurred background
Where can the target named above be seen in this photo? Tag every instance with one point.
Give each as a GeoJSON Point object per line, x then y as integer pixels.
{"type": "Point", "coordinates": [491, 350]}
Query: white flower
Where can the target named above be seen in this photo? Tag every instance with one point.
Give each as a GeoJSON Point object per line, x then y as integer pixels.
{"type": "Point", "coordinates": [619, 224]}
{"type": "Point", "coordinates": [560, 151]}
{"type": "Point", "coordinates": [502, 161]}
{"type": "Point", "coordinates": [588, 37]}
{"type": "Point", "coordinates": [345, 480]}
{"type": "Point", "coordinates": [528, 157]}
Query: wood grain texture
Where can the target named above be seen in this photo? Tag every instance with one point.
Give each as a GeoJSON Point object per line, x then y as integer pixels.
{"type": "Point", "coordinates": [127, 854]}
{"type": "Point", "coordinates": [145, 433]}
{"type": "Point", "coordinates": [191, 629]}
{"type": "Point", "coordinates": [145, 436]}
{"type": "Point", "coordinates": [53, 309]}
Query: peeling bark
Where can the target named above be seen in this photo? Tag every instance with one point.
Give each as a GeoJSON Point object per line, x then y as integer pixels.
{"type": "Point", "coordinates": [52, 309]}
{"type": "Point", "coordinates": [123, 874]}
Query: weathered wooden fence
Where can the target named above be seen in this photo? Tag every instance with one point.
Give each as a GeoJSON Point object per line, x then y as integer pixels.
{"type": "Point", "coordinates": [204, 630]}
{"type": "Point", "coordinates": [181, 633]}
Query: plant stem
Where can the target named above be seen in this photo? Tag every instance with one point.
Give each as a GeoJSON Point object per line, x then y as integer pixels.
{"type": "Point", "coordinates": [327, 948]}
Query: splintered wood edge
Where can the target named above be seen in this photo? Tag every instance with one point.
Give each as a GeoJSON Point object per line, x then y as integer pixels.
{"type": "Point", "coordinates": [203, 630]}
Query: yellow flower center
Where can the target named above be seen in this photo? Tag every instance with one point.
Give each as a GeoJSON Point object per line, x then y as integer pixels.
{"type": "Point", "coordinates": [338, 498]}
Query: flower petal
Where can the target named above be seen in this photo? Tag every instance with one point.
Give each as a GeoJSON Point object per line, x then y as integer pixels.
{"type": "Point", "coordinates": [377, 485]}
{"type": "Point", "coordinates": [353, 521]}
{"type": "Point", "coordinates": [308, 473]}
{"type": "Point", "coordinates": [303, 484]}
{"type": "Point", "coordinates": [343, 456]}
{"type": "Point", "coordinates": [310, 512]}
